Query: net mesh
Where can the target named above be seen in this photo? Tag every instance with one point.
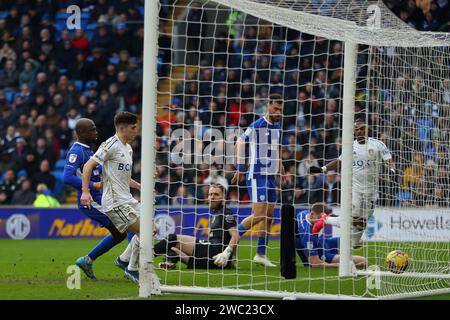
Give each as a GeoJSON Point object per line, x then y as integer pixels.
{"type": "Point", "coordinates": [224, 58]}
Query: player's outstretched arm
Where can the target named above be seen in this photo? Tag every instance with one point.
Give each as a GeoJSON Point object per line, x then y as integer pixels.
{"type": "Point", "coordinates": [221, 259]}
{"type": "Point", "coordinates": [134, 184]}
{"type": "Point", "coordinates": [86, 197]}
{"type": "Point", "coordinates": [239, 160]}
{"type": "Point", "coordinates": [333, 165]}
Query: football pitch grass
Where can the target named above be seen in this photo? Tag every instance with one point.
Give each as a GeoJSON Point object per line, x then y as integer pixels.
{"type": "Point", "coordinates": [37, 269]}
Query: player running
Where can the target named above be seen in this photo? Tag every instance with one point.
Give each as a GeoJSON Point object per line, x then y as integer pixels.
{"type": "Point", "coordinates": [368, 154]}
{"type": "Point", "coordinates": [78, 155]}
{"type": "Point", "coordinates": [263, 137]}
{"type": "Point", "coordinates": [216, 251]}
{"type": "Point", "coordinates": [116, 157]}
{"type": "Point", "coordinates": [314, 249]}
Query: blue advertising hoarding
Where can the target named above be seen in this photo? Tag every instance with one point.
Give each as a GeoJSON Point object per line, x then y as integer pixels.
{"type": "Point", "coordinates": [61, 223]}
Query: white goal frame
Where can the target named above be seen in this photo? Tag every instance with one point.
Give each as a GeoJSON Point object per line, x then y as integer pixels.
{"type": "Point", "coordinates": [352, 36]}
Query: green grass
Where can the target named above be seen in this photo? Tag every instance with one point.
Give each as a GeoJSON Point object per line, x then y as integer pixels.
{"type": "Point", "coordinates": [37, 269]}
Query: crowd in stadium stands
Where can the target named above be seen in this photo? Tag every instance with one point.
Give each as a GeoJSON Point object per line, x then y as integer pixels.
{"type": "Point", "coordinates": [51, 76]}
{"type": "Point", "coordinates": [230, 89]}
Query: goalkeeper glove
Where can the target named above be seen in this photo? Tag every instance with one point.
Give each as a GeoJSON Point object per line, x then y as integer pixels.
{"type": "Point", "coordinates": [221, 259]}
{"type": "Point", "coordinates": [319, 223]}
{"type": "Point", "coordinates": [314, 169]}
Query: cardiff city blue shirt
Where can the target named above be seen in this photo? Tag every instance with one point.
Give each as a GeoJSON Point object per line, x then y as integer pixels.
{"type": "Point", "coordinates": [263, 138]}
{"type": "Point", "coordinates": [77, 156]}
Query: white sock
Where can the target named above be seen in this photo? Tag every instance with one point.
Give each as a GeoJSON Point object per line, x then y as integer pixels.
{"type": "Point", "coordinates": [356, 234]}
{"type": "Point", "coordinates": [125, 256]}
{"type": "Point", "coordinates": [133, 265]}
{"type": "Point", "coordinates": [334, 221]}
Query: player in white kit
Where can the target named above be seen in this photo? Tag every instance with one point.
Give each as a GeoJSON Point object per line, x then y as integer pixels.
{"type": "Point", "coordinates": [368, 155]}
{"type": "Point", "coordinates": [115, 155]}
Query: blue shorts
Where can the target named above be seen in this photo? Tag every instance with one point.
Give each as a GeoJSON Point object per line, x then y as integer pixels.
{"type": "Point", "coordinates": [331, 248]}
{"type": "Point", "coordinates": [327, 253]}
{"type": "Point", "coordinates": [262, 189]}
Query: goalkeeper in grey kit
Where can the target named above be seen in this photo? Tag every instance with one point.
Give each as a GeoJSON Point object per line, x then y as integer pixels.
{"type": "Point", "coordinates": [214, 252]}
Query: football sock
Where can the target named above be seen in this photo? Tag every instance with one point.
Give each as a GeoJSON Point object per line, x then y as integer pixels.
{"type": "Point", "coordinates": [134, 258]}
{"type": "Point", "coordinates": [356, 234]}
{"type": "Point", "coordinates": [262, 245]}
{"type": "Point", "coordinates": [125, 256]}
{"type": "Point", "coordinates": [104, 246]}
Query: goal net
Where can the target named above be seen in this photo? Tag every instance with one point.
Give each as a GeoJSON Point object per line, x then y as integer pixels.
{"type": "Point", "coordinates": [218, 63]}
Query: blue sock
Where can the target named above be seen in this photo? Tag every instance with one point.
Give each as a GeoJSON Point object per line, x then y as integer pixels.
{"type": "Point", "coordinates": [107, 243]}
{"type": "Point", "coordinates": [262, 245]}
{"type": "Point", "coordinates": [241, 229]}
{"type": "Point", "coordinates": [130, 236]}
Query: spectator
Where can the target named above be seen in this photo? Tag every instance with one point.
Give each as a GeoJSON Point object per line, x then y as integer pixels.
{"type": "Point", "coordinates": [43, 150]}
{"type": "Point", "coordinates": [28, 75]}
{"type": "Point", "coordinates": [9, 185]}
{"type": "Point", "coordinates": [8, 142]}
{"type": "Point", "coordinates": [44, 198]}
{"type": "Point", "coordinates": [121, 39]}
{"type": "Point", "coordinates": [44, 175]}
{"type": "Point", "coordinates": [9, 76]}
{"type": "Point", "coordinates": [20, 151]}
{"type": "Point", "coordinates": [25, 195]}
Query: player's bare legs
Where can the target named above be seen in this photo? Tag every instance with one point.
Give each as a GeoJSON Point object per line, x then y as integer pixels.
{"type": "Point", "coordinates": [259, 213]}
{"type": "Point", "coordinates": [359, 261]}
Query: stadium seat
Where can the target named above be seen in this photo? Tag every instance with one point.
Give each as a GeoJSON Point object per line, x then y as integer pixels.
{"type": "Point", "coordinates": [9, 95]}
{"type": "Point", "coordinates": [141, 10]}
{"type": "Point", "coordinates": [91, 84]}
{"type": "Point", "coordinates": [59, 183]}
{"type": "Point", "coordinates": [60, 164]}
{"type": "Point", "coordinates": [114, 60]}
{"type": "Point", "coordinates": [3, 14]}
{"type": "Point", "coordinates": [79, 85]}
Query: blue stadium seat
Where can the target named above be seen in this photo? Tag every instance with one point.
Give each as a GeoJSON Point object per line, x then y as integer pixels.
{"type": "Point", "coordinates": [85, 15]}
{"type": "Point", "coordinates": [58, 190]}
{"type": "Point", "coordinates": [3, 14]}
{"type": "Point", "coordinates": [141, 10]}
{"type": "Point", "coordinates": [60, 164]}
{"type": "Point", "coordinates": [9, 95]}
{"type": "Point", "coordinates": [62, 16]}
{"type": "Point", "coordinates": [79, 85]}
{"type": "Point", "coordinates": [114, 60]}
{"type": "Point", "coordinates": [91, 83]}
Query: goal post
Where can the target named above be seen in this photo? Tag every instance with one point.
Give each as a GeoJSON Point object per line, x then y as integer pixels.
{"type": "Point", "coordinates": [147, 283]}
{"type": "Point", "coordinates": [218, 62]}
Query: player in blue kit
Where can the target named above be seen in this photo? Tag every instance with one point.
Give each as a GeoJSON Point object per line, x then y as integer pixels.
{"type": "Point", "coordinates": [263, 137]}
{"type": "Point", "coordinates": [314, 249]}
{"type": "Point", "coordinates": [78, 155]}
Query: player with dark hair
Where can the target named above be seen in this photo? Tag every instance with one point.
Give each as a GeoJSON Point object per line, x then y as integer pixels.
{"type": "Point", "coordinates": [77, 156]}
{"type": "Point", "coordinates": [116, 157]}
{"type": "Point", "coordinates": [314, 249]}
{"type": "Point", "coordinates": [368, 156]}
{"type": "Point", "coordinates": [263, 137]}
{"type": "Point", "coordinates": [216, 251]}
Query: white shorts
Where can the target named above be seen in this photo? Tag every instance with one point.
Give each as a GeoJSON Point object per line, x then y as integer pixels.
{"type": "Point", "coordinates": [363, 204]}
{"type": "Point", "coordinates": [125, 215]}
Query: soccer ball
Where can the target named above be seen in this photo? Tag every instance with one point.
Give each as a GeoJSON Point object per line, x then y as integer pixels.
{"type": "Point", "coordinates": [397, 261]}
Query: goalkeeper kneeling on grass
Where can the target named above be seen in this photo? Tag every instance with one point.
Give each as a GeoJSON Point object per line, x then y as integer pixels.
{"type": "Point", "coordinates": [313, 248]}
{"type": "Point", "coordinates": [215, 252]}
